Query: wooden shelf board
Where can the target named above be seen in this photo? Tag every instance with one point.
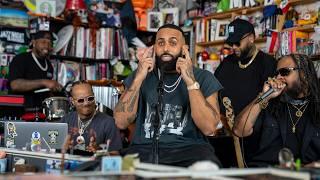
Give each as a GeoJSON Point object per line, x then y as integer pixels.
{"type": "Point", "coordinates": [315, 57]}
{"type": "Point", "coordinates": [249, 10]}
{"type": "Point", "coordinates": [228, 14]}
{"type": "Point", "coordinates": [301, 2]}
{"type": "Point", "coordinates": [304, 28]}
{"type": "Point", "coordinates": [220, 42]}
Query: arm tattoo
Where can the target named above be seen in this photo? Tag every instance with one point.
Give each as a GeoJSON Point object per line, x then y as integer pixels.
{"type": "Point", "coordinates": [131, 119]}
{"type": "Point", "coordinates": [130, 102]}
{"type": "Point", "coordinates": [119, 107]}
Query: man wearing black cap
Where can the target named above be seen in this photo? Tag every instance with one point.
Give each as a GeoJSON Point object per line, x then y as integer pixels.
{"type": "Point", "coordinates": [33, 70]}
{"type": "Point", "coordinates": [243, 73]}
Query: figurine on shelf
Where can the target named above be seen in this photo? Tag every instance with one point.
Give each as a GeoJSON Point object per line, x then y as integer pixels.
{"type": "Point", "coordinates": [107, 16]}
{"type": "Point", "coordinates": [307, 17]}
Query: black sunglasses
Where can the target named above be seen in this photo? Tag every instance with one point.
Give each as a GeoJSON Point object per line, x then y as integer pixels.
{"type": "Point", "coordinates": [286, 71]}
{"type": "Point", "coordinates": [238, 43]}
{"type": "Point", "coordinates": [89, 99]}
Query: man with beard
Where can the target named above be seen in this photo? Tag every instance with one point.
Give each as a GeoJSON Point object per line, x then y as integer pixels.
{"type": "Point", "coordinates": [189, 111]}
{"type": "Point", "coordinates": [292, 118]}
{"type": "Point", "coordinates": [32, 71]}
{"type": "Point", "coordinates": [89, 128]}
{"type": "Point", "coordinates": [243, 73]}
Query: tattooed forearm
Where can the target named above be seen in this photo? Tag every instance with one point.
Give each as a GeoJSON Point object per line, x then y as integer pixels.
{"type": "Point", "coordinates": [119, 107]}
{"type": "Point", "coordinates": [132, 101]}
{"type": "Point", "coordinates": [131, 119]}
{"type": "Point", "coordinates": [129, 103]}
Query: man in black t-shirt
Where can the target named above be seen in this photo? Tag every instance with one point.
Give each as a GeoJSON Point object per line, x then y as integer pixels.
{"type": "Point", "coordinates": [243, 73]}
{"type": "Point", "coordinates": [89, 128]}
{"type": "Point", "coordinates": [32, 71]}
{"type": "Point", "coordinates": [190, 109]}
{"type": "Point", "coordinates": [288, 118]}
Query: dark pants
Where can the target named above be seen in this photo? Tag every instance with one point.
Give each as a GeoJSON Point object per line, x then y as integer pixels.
{"type": "Point", "coordinates": [184, 156]}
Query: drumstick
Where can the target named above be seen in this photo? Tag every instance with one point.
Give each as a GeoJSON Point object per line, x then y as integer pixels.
{"type": "Point", "coordinates": [41, 90]}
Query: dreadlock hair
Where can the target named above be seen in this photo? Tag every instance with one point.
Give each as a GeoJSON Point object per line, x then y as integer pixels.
{"type": "Point", "coordinates": [79, 83]}
{"type": "Point", "coordinates": [310, 85]}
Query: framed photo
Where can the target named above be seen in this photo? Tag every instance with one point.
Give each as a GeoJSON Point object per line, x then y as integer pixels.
{"type": "Point", "coordinates": [170, 16]}
{"type": "Point", "coordinates": [222, 30]}
{"type": "Point", "coordinates": [155, 20]}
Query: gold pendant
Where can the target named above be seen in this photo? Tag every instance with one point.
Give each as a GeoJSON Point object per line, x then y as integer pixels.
{"type": "Point", "coordinates": [299, 113]}
{"type": "Point", "coordinates": [294, 129]}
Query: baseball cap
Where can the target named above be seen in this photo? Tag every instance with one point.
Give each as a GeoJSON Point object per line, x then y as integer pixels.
{"type": "Point", "coordinates": [237, 29]}
{"type": "Point", "coordinates": [43, 35]}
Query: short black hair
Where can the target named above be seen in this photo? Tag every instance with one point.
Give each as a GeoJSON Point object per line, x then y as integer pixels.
{"type": "Point", "coordinates": [171, 26]}
{"type": "Point", "coordinates": [78, 83]}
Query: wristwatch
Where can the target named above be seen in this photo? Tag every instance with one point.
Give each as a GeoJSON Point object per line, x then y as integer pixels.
{"type": "Point", "coordinates": [195, 85]}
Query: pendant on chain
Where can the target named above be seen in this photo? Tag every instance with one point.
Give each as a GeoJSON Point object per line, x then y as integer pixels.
{"type": "Point", "coordinates": [294, 129]}
{"type": "Point", "coordinates": [299, 113]}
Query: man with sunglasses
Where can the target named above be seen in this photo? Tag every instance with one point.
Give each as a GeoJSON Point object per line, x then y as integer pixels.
{"type": "Point", "coordinates": [89, 128]}
{"type": "Point", "coordinates": [287, 118]}
{"type": "Point", "coordinates": [243, 73]}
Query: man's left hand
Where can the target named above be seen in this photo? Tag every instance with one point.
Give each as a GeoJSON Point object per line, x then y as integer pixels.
{"type": "Point", "coordinates": [185, 67]}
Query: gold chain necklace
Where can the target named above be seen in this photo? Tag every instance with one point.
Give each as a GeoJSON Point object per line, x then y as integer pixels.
{"type": "Point", "coordinates": [295, 124]}
{"type": "Point", "coordinates": [243, 66]}
{"type": "Point", "coordinates": [299, 112]}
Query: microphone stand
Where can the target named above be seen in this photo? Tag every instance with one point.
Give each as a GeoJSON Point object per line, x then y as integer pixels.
{"type": "Point", "coordinates": [156, 121]}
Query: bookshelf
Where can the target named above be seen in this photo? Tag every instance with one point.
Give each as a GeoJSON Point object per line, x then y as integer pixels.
{"type": "Point", "coordinates": [221, 42]}
{"type": "Point", "coordinates": [118, 52]}
{"type": "Point", "coordinates": [231, 14]}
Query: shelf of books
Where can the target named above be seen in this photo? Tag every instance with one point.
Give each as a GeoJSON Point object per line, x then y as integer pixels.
{"type": "Point", "coordinates": [108, 43]}
{"type": "Point", "coordinates": [220, 42]}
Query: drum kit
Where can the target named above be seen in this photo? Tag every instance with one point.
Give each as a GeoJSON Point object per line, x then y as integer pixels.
{"type": "Point", "coordinates": [56, 107]}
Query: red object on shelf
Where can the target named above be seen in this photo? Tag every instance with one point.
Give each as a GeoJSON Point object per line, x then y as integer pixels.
{"type": "Point", "coordinates": [11, 100]}
{"type": "Point", "coordinates": [75, 5]}
{"type": "Point", "coordinates": [205, 55]}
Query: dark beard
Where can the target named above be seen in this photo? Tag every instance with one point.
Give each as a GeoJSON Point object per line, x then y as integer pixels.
{"type": "Point", "coordinates": [245, 53]}
{"type": "Point", "coordinates": [40, 55]}
{"type": "Point", "coordinates": [167, 66]}
{"type": "Point", "coordinates": [295, 90]}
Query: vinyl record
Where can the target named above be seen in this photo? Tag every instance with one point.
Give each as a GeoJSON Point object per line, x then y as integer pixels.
{"type": "Point", "coordinates": [31, 5]}
{"type": "Point", "coordinates": [64, 36]}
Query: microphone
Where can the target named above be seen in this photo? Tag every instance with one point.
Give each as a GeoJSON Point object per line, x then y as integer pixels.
{"type": "Point", "coordinates": [265, 95]}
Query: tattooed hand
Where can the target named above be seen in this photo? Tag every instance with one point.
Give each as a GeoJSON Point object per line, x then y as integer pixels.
{"type": "Point", "coordinates": [185, 67]}
{"type": "Point", "coordinates": [146, 62]}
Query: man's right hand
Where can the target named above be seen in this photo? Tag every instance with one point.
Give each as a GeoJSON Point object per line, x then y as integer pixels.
{"type": "Point", "coordinates": [275, 84]}
{"type": "Point", "coordinates": [52, 85]}
{"type": "Point", "coordinates": [146, 62]}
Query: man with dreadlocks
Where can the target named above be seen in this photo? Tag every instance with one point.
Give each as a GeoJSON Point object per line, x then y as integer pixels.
{"type": "Point", "coordinates": [292, 118]}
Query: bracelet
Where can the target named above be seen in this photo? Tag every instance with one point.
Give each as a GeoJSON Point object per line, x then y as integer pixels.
{"type": "Point", "coordinates": [263, 104]}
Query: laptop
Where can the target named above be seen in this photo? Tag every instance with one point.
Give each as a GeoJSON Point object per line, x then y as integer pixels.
{"type": "Point", "coordinates": [17, 134]}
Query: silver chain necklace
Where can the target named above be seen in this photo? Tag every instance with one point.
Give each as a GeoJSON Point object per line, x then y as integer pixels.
{"type": "Point", "coordinates": [39, 65]}
{"type": "Point", "coordinates": [82, 127]}
{"type": "Point", "coordinates": [173, 87]}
